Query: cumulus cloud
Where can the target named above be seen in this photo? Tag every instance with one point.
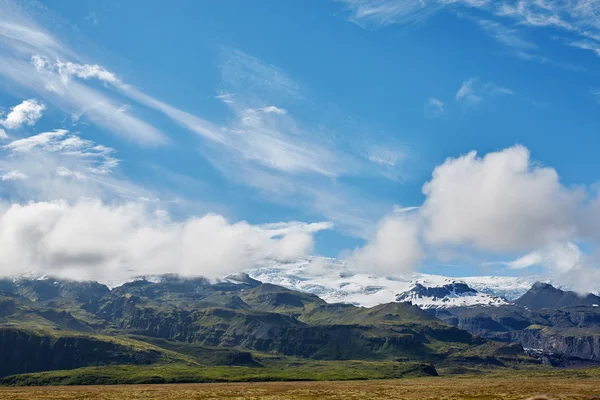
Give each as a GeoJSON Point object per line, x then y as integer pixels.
{"type": "Point", "coordinates": [120, 242]}
{"type": "Point", "coordinates": [560, 258]}
{"type": "Point", "coordinates": [3, 135]}
{"type": "Point", "coordinates": [26, 113]}
{"type": "Point", "coordinates": [395, 246]}
{"type": "Point", "coordinates": [499, 202]}
{"type": "Point", "coordinates": [565, 263]}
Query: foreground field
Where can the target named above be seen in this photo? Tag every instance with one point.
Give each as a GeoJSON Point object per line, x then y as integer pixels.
{"type": "Point", "coordinates": [411, 388]}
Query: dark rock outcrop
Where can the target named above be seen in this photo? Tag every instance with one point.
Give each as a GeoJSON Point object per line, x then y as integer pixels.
{"type": "Point", "coordinates": [438, 292]}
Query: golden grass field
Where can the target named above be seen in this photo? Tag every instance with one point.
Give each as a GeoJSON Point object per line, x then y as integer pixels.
{"type": "Point", "coordinates": [412, 388]}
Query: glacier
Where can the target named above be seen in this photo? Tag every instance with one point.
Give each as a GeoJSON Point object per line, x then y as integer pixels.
{"type": "Point", "coordinates": [336, 282]}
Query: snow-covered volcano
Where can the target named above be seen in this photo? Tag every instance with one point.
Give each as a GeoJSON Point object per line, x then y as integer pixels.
{"type": "Point", "coordinates": [452, 293]}
{"type": "Point", "coordinates": [334, 281]}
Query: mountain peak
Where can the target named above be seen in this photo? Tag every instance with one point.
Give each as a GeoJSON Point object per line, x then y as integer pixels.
{"type": "Point", "coordinates": [449, 294]}
{"type": "Point", "coordinates": [543, 295]}
{"type": "Point", "coordinates": [544, 286]}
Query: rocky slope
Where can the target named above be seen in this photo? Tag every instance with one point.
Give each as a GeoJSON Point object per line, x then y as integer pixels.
{"type": "Point", "coordinates": [536, 322]}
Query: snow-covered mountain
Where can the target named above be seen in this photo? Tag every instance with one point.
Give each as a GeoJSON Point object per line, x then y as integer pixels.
{"type": "Point", "coordinates": [452, 293]}
{"type": "Point", "coordinates": [334, 281]}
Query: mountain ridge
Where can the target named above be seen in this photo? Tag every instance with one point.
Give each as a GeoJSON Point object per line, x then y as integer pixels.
{"type": "Point", "coordinates": [237, 314]}
{"type": "Point", "coordinates": [543, 295]}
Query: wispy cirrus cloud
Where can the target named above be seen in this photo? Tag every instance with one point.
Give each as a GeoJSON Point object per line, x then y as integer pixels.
{"type": "Point", "coordinates": [590, 45]}
{"type": "Point", "coordinates": [596, 95]}
{"type": "Point", "coordinates": [577, 21]}
{"type": "Point", "coordinates": [77, 98]}
{"type": "Point", "coordinates": [472, 92]}
{"type": "Point", "coordinates": [261, 133]}
{"type": "Point", "coordinates": [290, 160]}
{"type": "Point", "coordinates": [506, 35]}
{"type": "Point", "coordinates": [99, 158]}
{"type": "Point", "coordinates": [380, 13]}
{"type": "Point", "coordinates": [13, 176]}
{"type": "Point", "coordinates": [434, 107]}
{"type": "Point", "coordinates": [35, 59]}
{"type": "Point", "coordinates": [263, 145]}
{"type": "Point", "coordinates": [467, 93]}
{"type": "Point", "coordinates": [61, 164]}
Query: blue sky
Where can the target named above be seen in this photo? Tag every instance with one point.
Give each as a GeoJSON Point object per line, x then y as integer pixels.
{"type": "Point", "coordinates": [317, 124]}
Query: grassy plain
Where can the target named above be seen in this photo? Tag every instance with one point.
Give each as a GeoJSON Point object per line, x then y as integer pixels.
{"type": "Point", "coordinates": [569, 387]}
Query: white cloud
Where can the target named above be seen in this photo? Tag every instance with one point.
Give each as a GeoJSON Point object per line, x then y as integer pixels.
{"type": "Point", "coordinates": [559, 258]}
{"type": "Point", "coordinates": [260, 137]}
{"type": "Point", "coordinates": [587, 45]}
{"type": "Point", "coordinates": [121, 242]}
{"type": "Point", "coordinates": [273, 143]}
{"type": "Point", "coordinates": [501, 202]}
{"type": "Point", "coordinates": [242, 73]}
{"type": "Point", "coordinates": [389, 157]}
{"type": "Point", "coordinates": [473, 93]}
{"type": "Point", "coordinates": [434, 107]}
{"type": "Point", "coordinates": [227, 98]}
{"type": "Point", "coordinates": [394, 248]}
{"type": "Point", "coordinates": [13, 176]}
{"type": "Point", "coordinates": [24, 35]}
{"type": "Point", "coordinates": [75, 97]}
{"type": "Point", "coordinates": [62, 165]}
{"type": "Point", "coordinates": [378, 13]}
{"type": "Point", "coordinates": [26, 113]}
{"type": "Point", "coordinates": [68, 70]}
{"type": "Point", "coordinates": [467, 93]}
{"type": "Point", "coordinates": [493, 90]}
{"type": "Point", "coordinates": [564, 263]}
{"type": "Point", "coordinates": [510, 37]}
{"type": "Point", "coordinates": [3, 135]}
{"type": "Point", "coordinates": [577, 18]}
{"type": "Point", "coordinates": [98, 158]}
{"type": "Point", "coordinates": [273, 109]}
{"type": "Point", "coordinates": [279, 144]}
{"type": "Point", "coordinates": [595, 93]}
{"type": "Point", "coordinates": [36, 60]}
{"type": "Point", "coordinates": [386, 156]}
